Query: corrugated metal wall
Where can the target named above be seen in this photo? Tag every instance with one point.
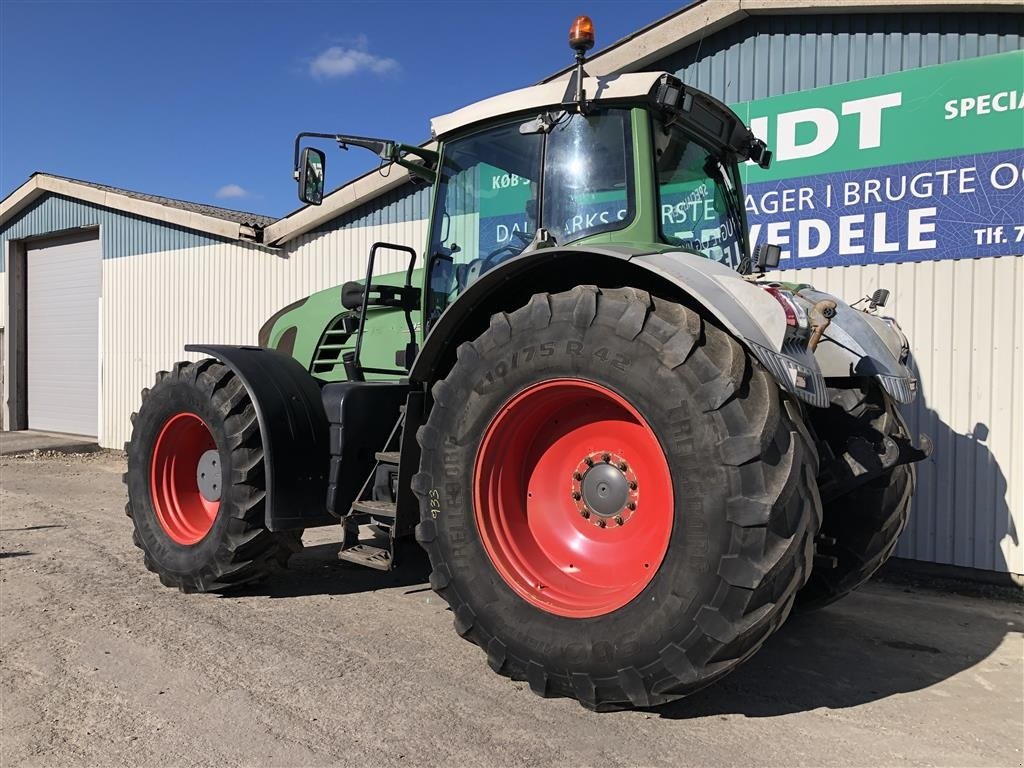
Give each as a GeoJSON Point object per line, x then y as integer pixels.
{"type": "Point", "coordinates": [409, 202]}
{"type": "Point", "coordinates": [766, 56]}
{"type": "Point", "coordinates": [154, 304]}
{"type": "Point", "coordinates": [964, 318]}
{"type": "Point", "coordinates": [965, 321]}
{"type": "Point", "coordinates": [165, 286]}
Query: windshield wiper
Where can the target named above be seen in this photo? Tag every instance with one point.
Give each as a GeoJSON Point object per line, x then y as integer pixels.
{"type": "Point", "coordinates": [733, 209]}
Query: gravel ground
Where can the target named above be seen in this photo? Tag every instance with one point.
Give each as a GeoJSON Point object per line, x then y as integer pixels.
{"type": "Point", "coordinates": [332, 664]}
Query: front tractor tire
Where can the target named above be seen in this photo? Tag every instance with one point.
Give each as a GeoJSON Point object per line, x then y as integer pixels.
{"type": "Point", "coordinates": [196, 483]}
{"type": "Point", "coordinates": [618, 502]}
{"type": "Point", "coordinates": [862, 527]}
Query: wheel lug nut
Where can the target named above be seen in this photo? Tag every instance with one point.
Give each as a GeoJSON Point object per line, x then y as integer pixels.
{"type": "Point", "coordinates": [588, 461]}
{"type": "Point", "coordinates": [606, 457]}
{"type": "Point", "coordinates": [623, 466]}
{"type": "Point", "coordinates": [619, 520]}
{"type": "Point", "coordinates": [632, 485]}
{"type": "Point", "coordinates": [577, 476]}
{"type": "Point", "coordinates": [631, 506]}
{"type": "Point", "coordinates": [601, 523]}
{"type": "Point", "coordinates": [576, 496]}
{"type": "Point", "coordinates": [585, 513]}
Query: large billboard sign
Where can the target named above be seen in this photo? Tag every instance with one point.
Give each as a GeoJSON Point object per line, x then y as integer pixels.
{"type": "Point", "coordinates": [918, 165]}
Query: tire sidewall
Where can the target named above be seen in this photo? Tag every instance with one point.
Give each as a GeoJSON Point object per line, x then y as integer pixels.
{"type": "Point", "coordinates": [168, 398]}
{"type": "Point", "coordinates": [668, 399]}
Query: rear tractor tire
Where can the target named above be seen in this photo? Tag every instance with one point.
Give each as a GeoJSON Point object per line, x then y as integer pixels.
{"type": "Point", "coordinates": [618, 502]}
{"type": "Point", "coordinates": [865, 523]}
{"type": "Point", "coordinates": [196, 484]}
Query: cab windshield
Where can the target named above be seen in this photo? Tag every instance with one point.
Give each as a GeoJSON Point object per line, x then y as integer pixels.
{"type": "Point", "coordinates": [496, 187]}
{"type": "Point", "coordinates": [699, 198]}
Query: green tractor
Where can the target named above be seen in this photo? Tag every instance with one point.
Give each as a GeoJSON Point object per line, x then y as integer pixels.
{"type": "Point", "coordinates": [627, 452]}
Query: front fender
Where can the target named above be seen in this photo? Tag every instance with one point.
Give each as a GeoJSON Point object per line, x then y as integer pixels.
{"type": "Point", "coordinates": [293, 431]}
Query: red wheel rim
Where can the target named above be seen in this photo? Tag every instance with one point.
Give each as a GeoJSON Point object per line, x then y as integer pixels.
{"type": "Point", "coordinates": [184, 514]}
{"type": "Point", "coordinates": [532, 506]}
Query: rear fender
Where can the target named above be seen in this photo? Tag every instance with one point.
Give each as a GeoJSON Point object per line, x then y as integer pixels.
{"type": "Point", "coordinates": [744, 309]}
{"type": "Point", "coordinates": [293, 430]}
{"type": "Point", "coordinates": [753, 316]}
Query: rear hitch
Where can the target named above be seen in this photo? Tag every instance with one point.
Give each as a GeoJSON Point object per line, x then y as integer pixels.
{"type": "Point", "coordinates": [863, 461]}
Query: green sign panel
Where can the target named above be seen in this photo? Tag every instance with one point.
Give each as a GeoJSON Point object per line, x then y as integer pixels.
{"type": "Point", "coordinates": [948, 110]}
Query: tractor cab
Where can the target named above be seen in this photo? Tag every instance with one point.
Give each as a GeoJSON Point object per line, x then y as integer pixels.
{"type": "Point", "coordinates": [645, 162]}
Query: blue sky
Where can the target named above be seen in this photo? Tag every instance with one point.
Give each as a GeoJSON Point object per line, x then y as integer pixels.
{"type": "Point", "coordinates": [202, 101]}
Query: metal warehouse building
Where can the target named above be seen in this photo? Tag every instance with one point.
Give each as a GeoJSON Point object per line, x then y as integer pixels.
{"type": "Point", "coordinates": [878, 110]}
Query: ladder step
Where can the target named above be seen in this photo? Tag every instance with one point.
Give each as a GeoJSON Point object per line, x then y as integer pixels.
{"type": "Point", "coordinates": [388, 457]}
{"type": "Point", "coordinates": [385, 509]}
{"type": "Point", "coordinates": [364, 554]}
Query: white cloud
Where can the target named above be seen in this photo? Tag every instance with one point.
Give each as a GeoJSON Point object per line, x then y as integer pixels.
{"type": "Point", "coordinates": [341, 61]}
{"type": "Point", "coordinates": [231, 190]}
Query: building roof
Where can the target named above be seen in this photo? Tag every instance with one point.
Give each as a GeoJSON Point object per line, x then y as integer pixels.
{"type": "Point", "coordinates": [211, 219]}
{"type": "Point", "coordinates": [702, 18]}
{"type": "Point", "coordinates": [228, 214]}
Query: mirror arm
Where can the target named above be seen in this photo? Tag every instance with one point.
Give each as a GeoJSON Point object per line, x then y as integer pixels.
{"type": "Point", "coordinates": [383, 148]}
{"type": "Point", "coordinates": [424, 170]}
{"type": "Point", "coordinates": [429, 155]}
{"type": "Point", "coordinates": [427, 174]}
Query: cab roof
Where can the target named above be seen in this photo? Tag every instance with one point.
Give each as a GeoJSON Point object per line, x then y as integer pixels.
{"type": "Point", "coordinates": [545, 96]}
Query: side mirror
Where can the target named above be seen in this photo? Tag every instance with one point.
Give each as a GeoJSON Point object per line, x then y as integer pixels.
{"type": "Point", "coordinates": [310, 175]}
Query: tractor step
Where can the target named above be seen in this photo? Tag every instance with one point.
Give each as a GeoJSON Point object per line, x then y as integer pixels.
{"type": "Point", "coordinates": [388, 457]}
{"type": "Point", "coordinates": [370, 556]}
{"type": "Point", "coordinates": [382, 509]}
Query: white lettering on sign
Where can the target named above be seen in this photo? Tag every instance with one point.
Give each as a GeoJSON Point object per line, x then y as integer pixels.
{"type": "Point", "coordinates": [922, 186]}
{"type": "Point", "coordinates": [506, 180]}
{"type": "Point", "coordinates": [984, 104]}
{"type": "Point", "coordinates": [853, 233]}
{"type": "Point", "coordinates": [786, 200]}
{"type": "Point", "coordinates": [870, 112]}
{"type": "Point", "coordinates": [820, 231]}
{"type": "Point", "coordinates": [826, 131]}
{"type": "Point", "coordinates": [1006, 175]}
{"type": "Point", "coordinates": [867, 113]}
{"type": "Point", "coordinates": [503, 232]}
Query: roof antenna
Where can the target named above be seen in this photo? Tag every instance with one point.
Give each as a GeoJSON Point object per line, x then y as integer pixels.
{"type": "Point", "coordinates": [581, 40]}
{"type": "Point", "coordinates": [696, 54]}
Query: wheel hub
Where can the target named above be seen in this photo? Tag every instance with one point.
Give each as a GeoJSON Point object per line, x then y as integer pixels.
{"type": "Point", "coordinates": [605, 489]}
{"type": "Point", "coordinates": [208, 475]}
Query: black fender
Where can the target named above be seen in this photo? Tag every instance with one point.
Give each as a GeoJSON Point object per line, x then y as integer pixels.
{"type": "Point", "coordinates": [293, 429]}
{"type": "Point", "coordinates": [743, 309]}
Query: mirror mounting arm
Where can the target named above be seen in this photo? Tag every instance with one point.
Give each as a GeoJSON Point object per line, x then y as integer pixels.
{"type": "Point", "coordinates": [383, 148]}
{"type": "Point", "coordinates": [387, 150]}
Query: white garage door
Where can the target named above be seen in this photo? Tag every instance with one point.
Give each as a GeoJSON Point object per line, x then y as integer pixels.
{"type": "Point", "coordinates": [63, 336]}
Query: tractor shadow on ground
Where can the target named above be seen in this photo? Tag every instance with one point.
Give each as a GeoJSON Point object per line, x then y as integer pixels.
{"type": "Point", "coordinates": [878, 642]}
{"type": "Point", "coordinates": [883, 640]}
{"type": "Point", "coordinates": [318, 571]}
